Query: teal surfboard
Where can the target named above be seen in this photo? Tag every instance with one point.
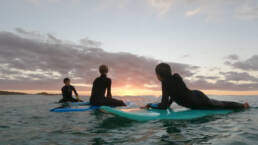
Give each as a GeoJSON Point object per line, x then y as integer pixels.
{"type": "Point", "coordinates": [156, 114]}
{"type": "Point", "coordinates": [81, 106]}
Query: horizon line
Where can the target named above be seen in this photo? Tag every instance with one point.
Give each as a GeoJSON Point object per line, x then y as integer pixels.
{"type": "Point", "coordinates": [156, 94]}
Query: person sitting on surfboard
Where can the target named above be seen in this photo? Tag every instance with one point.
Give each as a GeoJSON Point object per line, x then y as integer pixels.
{"type": "Point", "coordinates": [67, 92]}
{"type": "Point", "coordinates": [100, 85]}
{"type": "Point", "coordinates": [175, 90]}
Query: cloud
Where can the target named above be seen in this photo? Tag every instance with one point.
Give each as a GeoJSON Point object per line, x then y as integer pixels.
{"type": "Point", "coordinates": [30, 63]}
{"type": "Point", "coordinates": [53, 39]}
{"type": "Point", "coordinates": [232, 80]}
{"type": "Point", "coordinates": [222, 85]}
{"type": "Point", "coordinates": [185, 56]}
{"type": "Point", "coordinates": [211, 10]}
{"type": "Point", "coordinates": [239, 76]}
{"type": "Point", "coordinates": [232, 57]}
{"type": "Point", "coordinates": [192, 12]}
{"type": "Point", "coordinates": [228, 81]}
{"type": "Point", "coordinates": [207, 77]}
{"type": "Point", "coordinates": [249, 64]}
{"type": "Point", "coordinates": [216, 10]}
{"type": "Point", "coordinates": [42, 62]}
{"type": "Point", "coordinates": [23, 32]}
{"type": "Point", "coordinates": [37, 2]}
{"type": "Point", "coordinates": [248, 12]}
{"type": "Point", "coordinates": [161, 5]}
{"type": "Point", "coordinates": [90, 43]}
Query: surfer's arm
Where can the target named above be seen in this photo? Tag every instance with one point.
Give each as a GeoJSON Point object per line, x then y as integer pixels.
{"type": "Point", "coordinates": [109, 95]}
{"type": "Point", "coordinates": [74, 90]}
{"type": "Point", "coordinates": [166, 100]}
{"type": "Point", "coordinates": [76, 94]}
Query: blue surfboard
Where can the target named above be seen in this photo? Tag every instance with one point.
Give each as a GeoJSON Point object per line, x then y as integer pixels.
{"type": "Point", "coordinates": [76, 103]}
{"type": "Point", "coordinates": [79, 107]}
{"type": "Point", "coordinates": [156, 114]}
{"type": "Point", "coordinates": [72, 109]}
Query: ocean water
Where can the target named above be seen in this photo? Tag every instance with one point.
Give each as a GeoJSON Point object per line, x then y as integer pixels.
{"type": "Point", "coordinates": [26, 120]}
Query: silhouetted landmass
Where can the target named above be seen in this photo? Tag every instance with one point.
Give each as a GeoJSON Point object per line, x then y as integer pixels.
{"type": "Point", "coordinates": [22, 93]}
{"type": "Point", "coordinates": [11, 93]}
{"type": "Point", "coordinates": [45, 93]}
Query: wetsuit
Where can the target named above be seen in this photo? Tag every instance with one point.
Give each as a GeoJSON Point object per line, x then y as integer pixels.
{"type": "Point", "coordinates": [174, 89]}
{"type": "Point", "coordinates": [67, 92]}
{"type": "Point", "coordinates": [100, 85]}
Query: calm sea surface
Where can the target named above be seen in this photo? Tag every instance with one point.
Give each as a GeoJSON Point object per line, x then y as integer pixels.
{"type": "Point", "coordinates": [26, 120]}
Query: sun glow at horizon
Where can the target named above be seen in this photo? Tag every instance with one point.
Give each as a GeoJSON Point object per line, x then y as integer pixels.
{"type": "Point", "coordinates": [139, 92]}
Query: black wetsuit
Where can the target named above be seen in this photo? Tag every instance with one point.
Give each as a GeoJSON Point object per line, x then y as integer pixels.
{"type": "Point", "coordinates": [174, 89]}
{"type": "Point", "coordinates": [100, 85]}
{"type": "Point", "coordinates": [67, 92]}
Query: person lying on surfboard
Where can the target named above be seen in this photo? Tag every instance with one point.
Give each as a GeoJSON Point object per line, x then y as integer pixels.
{"type": "Point", "coordinates": [100, 85]}
{"type": "Point", "coordinates": [175, 90]}
{"type": "Point", "coordinates": [67, 92]}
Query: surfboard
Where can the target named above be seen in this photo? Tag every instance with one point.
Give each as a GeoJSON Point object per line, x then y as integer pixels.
{"type": "Point", "coordinates": [76, 103]}
{"type": "Point", "coordinates": [74, 109]}
{"type": "Point", "coordinates": [138, 114]}
{"type": "Point", "coordinates": [79, 107]}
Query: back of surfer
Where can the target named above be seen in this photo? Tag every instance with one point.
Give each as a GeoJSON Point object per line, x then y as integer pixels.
{"type": "Point", "coordinates": [175, 90]}
{"type": "Point", "coordinates": [67, 92]}
{"type": "Point", "coordinates": [101, 85]}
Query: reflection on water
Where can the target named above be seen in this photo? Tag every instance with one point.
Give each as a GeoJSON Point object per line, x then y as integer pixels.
{"type": "Point", "coordinates": [27, 120]}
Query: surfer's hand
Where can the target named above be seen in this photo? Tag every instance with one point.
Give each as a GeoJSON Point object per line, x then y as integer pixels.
{"type": "Point", "coordinates": [78, 98]}
{"type": "Point", "coordinates": [109, 97]}
{"type": "Point", "coordinates": [144, 107]}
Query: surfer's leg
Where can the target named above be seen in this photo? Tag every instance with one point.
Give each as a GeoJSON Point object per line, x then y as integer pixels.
{"type": "Point", "coordinates": [227, 105]}
{"type": "Point", "coordinates": [75, 100]}
{"type": "Point", "coordinates": [204, 102]}
{"type": "Point", "coordinates": [113, 102]}
{"type": "Point", "coordinates": [96, 102]}
{"type": "Point", "coordinates": [199, 100]}
{"type": "Point", "coordinates": [72, 100]}
{"type": "Point", "coordinates": [61, 101]}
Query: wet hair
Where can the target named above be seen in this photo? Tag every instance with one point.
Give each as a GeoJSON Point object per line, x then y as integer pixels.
{"type": "Point", "coordinates": [103, 69]}
{"type": "Point", "coordinates": [163, 70]}
{"type": "Point", "coordinates": [66, 79]}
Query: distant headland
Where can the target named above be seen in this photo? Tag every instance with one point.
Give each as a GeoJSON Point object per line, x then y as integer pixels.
{"type": "Point", "coordinates": [22, 93]}
{"type": "Point", "coordinates": [45, 93]}
{"type": "Point", "coordinates": [12, 93]}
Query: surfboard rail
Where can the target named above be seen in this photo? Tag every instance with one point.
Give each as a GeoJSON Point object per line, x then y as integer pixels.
{"type": "Point", "coordinates": [169, 114]}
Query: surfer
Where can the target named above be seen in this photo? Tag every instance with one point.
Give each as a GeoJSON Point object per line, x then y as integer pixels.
{"type": "Point", "coordinates": [67, 92]}
{"type": "Point", "coordinates": [100, 85]}
{"type": "Point", "coordinates": [175, 90]}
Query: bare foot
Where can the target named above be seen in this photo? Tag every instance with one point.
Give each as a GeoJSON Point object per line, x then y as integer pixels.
{"type": "Point", "coordinates": [246, 105]}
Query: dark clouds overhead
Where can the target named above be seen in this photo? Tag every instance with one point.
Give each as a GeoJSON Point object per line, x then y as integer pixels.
{"type": "Point", "coordinates": [243, 76]}
{"type": "Point", "coordinates": [233, 57]}
{"type": "Point", "coordinates": [239, 76]}
{"type": "Point", "coordinates": [29, 63]}
{"type": "Point", "coordinates": [248, 64]}
{"type": "Point", "coordinates": [31, 60]}
{"type": "Point", "coordinates": [241, 79]}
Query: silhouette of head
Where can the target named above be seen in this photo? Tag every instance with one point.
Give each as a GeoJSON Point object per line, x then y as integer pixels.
{"type": "Point", "coordinates": [67, 81]}
{"type": "Point", "coordinates": [163, 71]}
{"type": "Point", "coordinates": [103, 69]}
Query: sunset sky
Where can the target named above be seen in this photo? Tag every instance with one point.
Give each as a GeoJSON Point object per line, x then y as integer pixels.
{"type": "Point", "coordinates": [212, 44]}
